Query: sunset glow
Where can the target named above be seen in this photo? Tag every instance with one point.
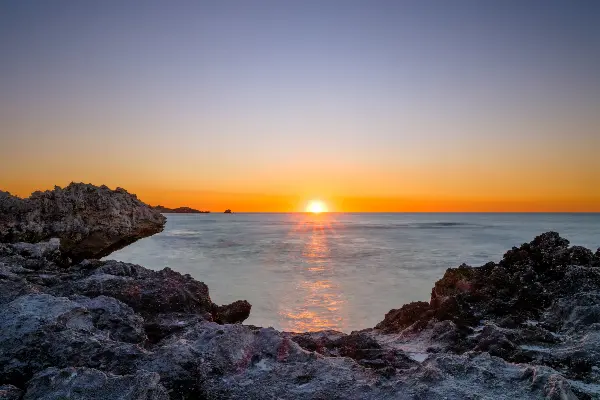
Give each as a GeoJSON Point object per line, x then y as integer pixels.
{"type": "Point", "coordinates": [316, 207]}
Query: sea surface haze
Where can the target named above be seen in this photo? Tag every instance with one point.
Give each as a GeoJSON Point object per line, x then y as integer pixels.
{"type": "Point", "coordinates": [341, 271]}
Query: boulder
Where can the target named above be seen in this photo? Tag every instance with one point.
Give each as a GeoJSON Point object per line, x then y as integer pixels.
{"type": "Point", "coordinates": [116, 318]}
{"type": "Point", "coordinates": [90, 221]}
{"type": "Point", "coordinates": [10, 392]}
{"type": "Point", "coordinates": [147, 292]}
{"type": "Point", "coordinates": [92, 384]}
{"type": "Point", "coordinates": [233, 313]}
{"type": "Point", "coordinates": [539, 305]}
{"type": "Point", "coordinates": [396, 320]}
{"type": "Point", "coordinates": [40, 330]}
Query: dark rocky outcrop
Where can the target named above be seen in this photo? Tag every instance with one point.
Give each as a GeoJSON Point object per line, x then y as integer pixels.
{"type": "Point", "coordinates": [90, 221]}
{"type": "Point", "coordinates": [92, 384]}
{"type": "Point", "coordinates": [540, 304]}
{"type": "Point", "coordinates": [10, 392]}
{"type": "Point", "coordinates": [237, 311]}
{"type": "Point", "coordinates": [408, 314]}
{"type": "Point", "coordinates": [95, 314]}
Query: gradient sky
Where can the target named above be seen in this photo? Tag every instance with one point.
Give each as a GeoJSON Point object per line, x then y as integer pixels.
{"type": "Point", "coordinates": [263, 105]}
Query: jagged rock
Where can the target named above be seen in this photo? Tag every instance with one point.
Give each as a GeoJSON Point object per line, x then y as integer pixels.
{"type": "Point", "coordinates": [108, 299]}
{"type": "Point", "coordinates": [233, 313]}
{"type": "Point", "coordinates": [147, 292]}
{"type": "Point", "coordinates": [162, 325]}
{"type": "Point", "coordinates": [39, 330]}
{"type": "Point", "coordinates": [239, 362]}
{"type": "Point", "coordinates": [49, 250]}
{"type": "Point", "coordinates": [320, 341]}
{"type": "Point", "coordinates": [115, 317]}
{"type": "Point", "coordinates": [10, 392]}
{"type": "Point", "coordinates": [522, 286]}
{"type": "Point", "coordinates": [91, 384]}
{"type": "Point", "coordinates": [540, 304]}
{"type": "Point", "coordinates": [396, 320]}
{"type": "Point", "coordinates": [90, 221]}
{"type": "Point", "coordinates": [360, 346]}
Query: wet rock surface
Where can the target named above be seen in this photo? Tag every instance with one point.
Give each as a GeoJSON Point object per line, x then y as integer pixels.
{"type": "Point", "coordinates": [90, 221]}
{"type": "Point", "coordinates": [527, 327]}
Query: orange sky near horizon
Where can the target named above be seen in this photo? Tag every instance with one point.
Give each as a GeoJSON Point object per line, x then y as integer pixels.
{"type": "Point", "coordinates": [256, 202]}
{"type": "Point", "coordinates": [482, 174]}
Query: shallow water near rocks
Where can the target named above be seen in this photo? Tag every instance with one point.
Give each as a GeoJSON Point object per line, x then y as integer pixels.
{"type": "Point", "coordinates": [304, 272]}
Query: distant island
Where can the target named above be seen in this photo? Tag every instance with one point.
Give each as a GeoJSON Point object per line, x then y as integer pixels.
{"type": "Point", "coordinates": [228, 211]}
{"type": "Point", "coordinates": [179, 210]}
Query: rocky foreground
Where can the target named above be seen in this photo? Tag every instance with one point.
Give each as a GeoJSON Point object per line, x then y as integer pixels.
{"type": "Point", "coordinates": [527, 327]}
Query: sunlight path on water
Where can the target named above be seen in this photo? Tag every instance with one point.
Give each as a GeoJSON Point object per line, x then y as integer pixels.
{"type": "Point", "coordinates": [318, 301]}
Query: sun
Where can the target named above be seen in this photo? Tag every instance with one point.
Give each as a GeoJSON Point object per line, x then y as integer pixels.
{"type": "Point", "coordinates": [316, 206]}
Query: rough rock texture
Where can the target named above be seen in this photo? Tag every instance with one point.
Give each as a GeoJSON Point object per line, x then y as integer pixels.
{"type": "Point", "coordinates": [10, 392]}
{"type": "Point", "coordinates": [237, 311]}
{"type": "Point", "coordinates": [147, 292]}
{"type": "Point", "coordinates": [40, 330]}
{"type": "Point", "coordinates": [540, 304]}
{"type": "Point", "coordinates": [94, 314]}
{"type": "Point", "coordinates": [235, 361]}
{"type": "Point", "coordinates": [91, 384]}
{"type": "Point", "coordinates": [527, 327]}
{"type": "Point", "coordinates": [90, 221]}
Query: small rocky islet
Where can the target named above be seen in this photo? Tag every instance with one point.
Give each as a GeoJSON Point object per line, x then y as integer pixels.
{"type": "Point", "coordinates": [179, 210]}
{"type": "Point", "coordinates": [74, 327]}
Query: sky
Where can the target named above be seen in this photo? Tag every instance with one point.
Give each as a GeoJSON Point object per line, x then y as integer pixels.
{"type": "Point", "coordinates": [265, 105]}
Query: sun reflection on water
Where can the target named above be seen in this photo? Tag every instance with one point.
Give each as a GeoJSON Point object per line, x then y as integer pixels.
{"type": "Point", "coordinates": [321, 299]}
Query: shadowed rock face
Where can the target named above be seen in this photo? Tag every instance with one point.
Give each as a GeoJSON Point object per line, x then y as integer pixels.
{"type": "Point", "coordinates": [90, 221]}
{"type": "Point", "coordinates": [237, 311]}
{"type": "Point", "coordinates": [10, 392]}
{"type": "Point", "coordinates": [540, 304]}
{"type": "Point", "coordinates": [521, 287]}
{"type": "Point", "coordinates": [95, 314]}
{"type": "Point", "coordinates": [91, 384]}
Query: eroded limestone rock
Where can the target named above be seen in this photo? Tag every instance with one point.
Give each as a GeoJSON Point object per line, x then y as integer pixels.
{"type": "Point", "coordinates": [90, 221]}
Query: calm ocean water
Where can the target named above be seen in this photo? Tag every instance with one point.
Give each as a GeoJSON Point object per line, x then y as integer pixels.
{"type": "Point", "coordinates": [337, 271]}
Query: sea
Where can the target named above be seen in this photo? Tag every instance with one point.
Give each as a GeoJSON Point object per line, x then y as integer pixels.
{"type": "Point", "coordinates": [341, 271]}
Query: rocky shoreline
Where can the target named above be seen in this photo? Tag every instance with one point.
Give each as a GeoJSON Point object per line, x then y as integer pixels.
{"type": "Point", "coordinates": [74, 327]}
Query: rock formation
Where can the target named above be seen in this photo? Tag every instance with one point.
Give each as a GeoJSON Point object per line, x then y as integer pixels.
{"type": "Point", "coordinates": [89, 383]}
{"type": "Point", "coordinates": [90, 221]}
